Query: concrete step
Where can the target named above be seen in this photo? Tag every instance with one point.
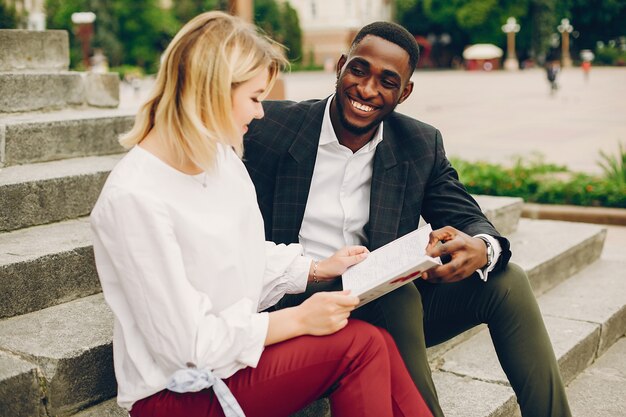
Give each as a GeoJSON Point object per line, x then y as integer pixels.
{"type": "Point", "coordinates": [600, 390]}
{"type": "Point", "coordinates": [27, 50]}
{"type": "Point", "coordinates": [30, 91]}
{"type": "Point", "coordinates": [503, 212]}
{"type": "Point", "coordinates": [550, 251]}
{"type": "Point", "coordinates": [584, 316]}
{"type": "Point", "coordinates": [19, 387]}
{"type": "Point", "coordinates": [46, 265]}
{"type": "Point", "coordinates": [461, 396]}
{"type": "Point", "coordinates": [105, 409]}
{"type": "Point", "coordinates": [41, 137]}
{"type": "Point", "coordinates": [43, 193]}
{"type": "Point", "coordinates": [70, 345]}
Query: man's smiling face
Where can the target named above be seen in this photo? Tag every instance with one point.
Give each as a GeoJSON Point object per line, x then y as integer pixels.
{"type": "Point", "coordinates": [371, 81]}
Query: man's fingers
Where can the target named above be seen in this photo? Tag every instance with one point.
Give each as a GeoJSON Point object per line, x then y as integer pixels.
{"type": "Point", "coordinates": [438, 236]}
{"type": "Point", "coordinates": [448, 247]}
{"type": "Point", "coordinates": [433, 274]}
{"type": "Point", "coordinates": [444, 233]}
{"type": "Point", "coordinates": [450, 272]}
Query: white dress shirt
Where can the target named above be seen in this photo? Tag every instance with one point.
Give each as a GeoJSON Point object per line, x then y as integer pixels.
{"type": "Point", "coordinates": [185, 268]}
{"type": "Point", "coordinates": [337, 208]}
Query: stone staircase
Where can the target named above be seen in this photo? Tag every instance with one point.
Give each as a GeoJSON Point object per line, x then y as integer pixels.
{"type": "Point", "coordinates": [56, 330]}
{"type": "Point", "coordinates": [58, 130]}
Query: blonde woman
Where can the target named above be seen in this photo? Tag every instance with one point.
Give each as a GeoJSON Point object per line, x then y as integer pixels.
{"type": "Point", "coordinates": [181, 256]}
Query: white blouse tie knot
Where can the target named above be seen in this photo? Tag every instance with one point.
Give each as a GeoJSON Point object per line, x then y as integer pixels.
{"type": "Point", "coordinates": [194, 380]}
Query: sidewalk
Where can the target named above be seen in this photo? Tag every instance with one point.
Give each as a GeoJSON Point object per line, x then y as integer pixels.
{"type": "Point", "coordinates": [493, 116]}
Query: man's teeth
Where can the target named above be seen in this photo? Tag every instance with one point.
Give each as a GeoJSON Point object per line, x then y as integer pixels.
{"type": "Point", "coordinates": [360, 106]}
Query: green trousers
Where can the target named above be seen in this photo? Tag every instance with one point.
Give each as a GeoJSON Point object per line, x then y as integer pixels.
{"type": "Point", "coordinates": [423, 315]}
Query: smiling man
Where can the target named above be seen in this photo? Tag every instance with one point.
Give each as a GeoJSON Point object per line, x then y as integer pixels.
{"type": "Point", "coordinates": [350, 170]}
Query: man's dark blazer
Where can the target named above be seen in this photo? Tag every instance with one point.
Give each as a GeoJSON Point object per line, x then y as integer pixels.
{"type": "Point", "coordinates": [411, 176]}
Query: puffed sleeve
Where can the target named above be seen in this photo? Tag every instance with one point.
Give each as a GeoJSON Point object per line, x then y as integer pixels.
{"type": "Point", "coordinates": [143, 277]}
{"type": "Point", "coordinates": [286, 272]}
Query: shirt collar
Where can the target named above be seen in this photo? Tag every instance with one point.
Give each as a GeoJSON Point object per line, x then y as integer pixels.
{"type": "Point", "coordinates": [327, 134]}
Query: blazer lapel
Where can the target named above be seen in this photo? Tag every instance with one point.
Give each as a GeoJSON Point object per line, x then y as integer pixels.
{"type": "Point", "coordinates": [387, 195]}
{"type": "Point", "coordinates": [294, 177]}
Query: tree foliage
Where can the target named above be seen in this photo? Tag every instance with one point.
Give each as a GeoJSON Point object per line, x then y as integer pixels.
{"type": "Point", "coordinates": [480, 21]}
{"type": "Point", "coordinates": [133, 33]}
{"type": "Point", "coordinates": [597, 20]}
{"type": "Point", "coordinates": [185, 10]}
{"type": "Point", "coordinates": [136, 32]}
{"type": "Point", "coordinates": [8, 16]}
{"type": "Point", "coordinates": [280, 22]}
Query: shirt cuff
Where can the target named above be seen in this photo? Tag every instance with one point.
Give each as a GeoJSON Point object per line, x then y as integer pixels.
{"type": "Point", "coordinates": [259, 326]}
{"type": "Point", "coordinates": [497, 251]}
{"type": "Point", "coordinates": [298, 271]}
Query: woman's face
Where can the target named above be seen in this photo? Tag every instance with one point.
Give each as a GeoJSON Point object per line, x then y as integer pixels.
{"type": "Point", "coordinates": [246, 102]}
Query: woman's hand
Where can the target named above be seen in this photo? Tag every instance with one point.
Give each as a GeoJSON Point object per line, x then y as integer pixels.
{"type": "Point", "coordinates": [337, 264]}
{"type": "Point", "coordinates": [321, 314]}
{"type": "Point", "coordinates": [326, 312]}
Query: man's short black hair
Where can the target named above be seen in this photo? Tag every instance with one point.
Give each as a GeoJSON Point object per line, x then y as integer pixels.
{"type": "Point", "coordinates": [394, 33]}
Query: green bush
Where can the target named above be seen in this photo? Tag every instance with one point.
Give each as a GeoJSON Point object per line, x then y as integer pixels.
{"type": "Point", "coordinates": [127, 72]}
{"type": "Point", "coordinates": [540, 182]}
{"type": "Point", "coordinates": [614, 167]}
{"type": "Point", "coordinates": [612, 53]}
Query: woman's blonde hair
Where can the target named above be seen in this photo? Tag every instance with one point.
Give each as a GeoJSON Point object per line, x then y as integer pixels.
{"type": "Point", "coordinates": [191, 102]}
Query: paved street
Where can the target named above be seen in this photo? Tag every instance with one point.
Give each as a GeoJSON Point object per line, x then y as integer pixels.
{"type": "Point", "coordinates": [493, 116]}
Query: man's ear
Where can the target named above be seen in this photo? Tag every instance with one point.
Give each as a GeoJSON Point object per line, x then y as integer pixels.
{"type": "Point", "coordinates": [408, 89]}
{"type": "Point", "coordinates": [342, 61]}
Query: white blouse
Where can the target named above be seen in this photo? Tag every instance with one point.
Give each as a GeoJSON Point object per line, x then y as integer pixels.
{"type": "Point", "coordinates": [185, 268]}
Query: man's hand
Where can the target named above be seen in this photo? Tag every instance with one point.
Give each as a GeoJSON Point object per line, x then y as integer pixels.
{"type": "Point", "coordinates": [466, 253]}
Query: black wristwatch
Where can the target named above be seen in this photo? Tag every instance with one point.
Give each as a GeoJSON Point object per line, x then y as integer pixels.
{"type": "Point", "coordinates": [490, 251]}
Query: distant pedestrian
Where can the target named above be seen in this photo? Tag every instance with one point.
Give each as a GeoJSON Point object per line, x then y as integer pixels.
{"type": "Point", "coordinates": [586, 56]}
{"type": "Point", "coordinates": [552, 70]}
{"type": "Point", "coordinates": [586, 66]}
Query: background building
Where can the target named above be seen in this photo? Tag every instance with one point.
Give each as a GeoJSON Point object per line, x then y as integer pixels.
{"type": "Point", "coordinates": [328, 26]}
{"type": "Point", "coordinates": [31, 13]}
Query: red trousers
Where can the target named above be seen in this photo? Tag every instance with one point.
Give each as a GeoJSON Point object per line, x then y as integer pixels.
{"type": "Point", "coordinates": [359, 368]}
